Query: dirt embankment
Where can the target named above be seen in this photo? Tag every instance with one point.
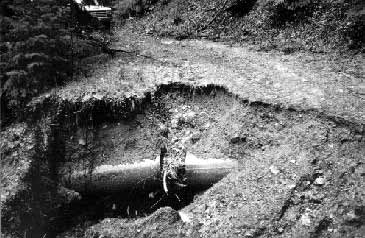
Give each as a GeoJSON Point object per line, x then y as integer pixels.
{"type": "Point", "coordinates": [294, 169]}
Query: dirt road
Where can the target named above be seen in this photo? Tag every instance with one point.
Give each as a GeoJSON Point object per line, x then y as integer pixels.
{"type": "Point", "coordinates": [300, 80]}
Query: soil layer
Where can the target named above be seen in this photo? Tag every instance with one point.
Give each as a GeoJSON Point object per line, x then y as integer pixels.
{"type": "Point", "coordinates": [299, 173]}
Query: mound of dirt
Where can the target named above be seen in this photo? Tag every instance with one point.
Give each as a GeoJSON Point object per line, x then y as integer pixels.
{"type": "Point", "coordinates": [161, 223]}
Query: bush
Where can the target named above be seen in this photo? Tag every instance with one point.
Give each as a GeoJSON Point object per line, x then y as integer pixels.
{"type": "Point", "coordinates": [240, 8]}
{"type": "Point", "coordinates": [291, 11]}
{"type": "Point", "coordinates": [37, 48]}
{"type": "Point", "coordinates": [355, 26]}
{"type": "Point", "coordinates": [34, 49]}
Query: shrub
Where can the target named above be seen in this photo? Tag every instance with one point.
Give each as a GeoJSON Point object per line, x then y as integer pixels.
{"type": "Point", "coordinates": [240, 8]}
{"type": "Point", "coordinates": [37, 48]}
{"type": "Point", "coordinates": [355, 24]}
{"type": "Point", "coordinates": [290, 11]}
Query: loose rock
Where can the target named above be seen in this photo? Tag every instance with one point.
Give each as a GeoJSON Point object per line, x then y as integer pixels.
{"type": "Point", "coordinates": [305, 220]}
{"type": "Point", "coordinates": [320, 181]}
{"type": "Point", "coordinates": [274, 170]}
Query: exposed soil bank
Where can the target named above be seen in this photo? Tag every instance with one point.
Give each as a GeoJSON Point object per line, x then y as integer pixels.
{"type": "Point", "coordinates": [301, 175]}
{"type": "Point", "coordinates": [300, 172]}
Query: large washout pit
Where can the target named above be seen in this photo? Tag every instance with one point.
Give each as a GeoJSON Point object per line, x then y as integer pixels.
{"type": "Point", "coordinates": [286, 163]}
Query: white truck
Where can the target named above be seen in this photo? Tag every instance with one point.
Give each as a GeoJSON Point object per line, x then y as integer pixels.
{"type": "Point", "coordinates": [95, 9]}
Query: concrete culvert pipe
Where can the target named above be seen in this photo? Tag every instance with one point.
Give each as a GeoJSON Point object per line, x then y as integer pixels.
{"type": "Point", "coordinates": [206, 172]}
{"type": "Point", "coordinates": [146, 175]}
{"type": "Point", "coordinates": [143, 175]}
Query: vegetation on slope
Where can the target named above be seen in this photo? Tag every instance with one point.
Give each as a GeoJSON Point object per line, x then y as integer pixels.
{"type": "Point", "coordinates": [289, 25]}
{"type": "Point", "coordinates": [40, 40]}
